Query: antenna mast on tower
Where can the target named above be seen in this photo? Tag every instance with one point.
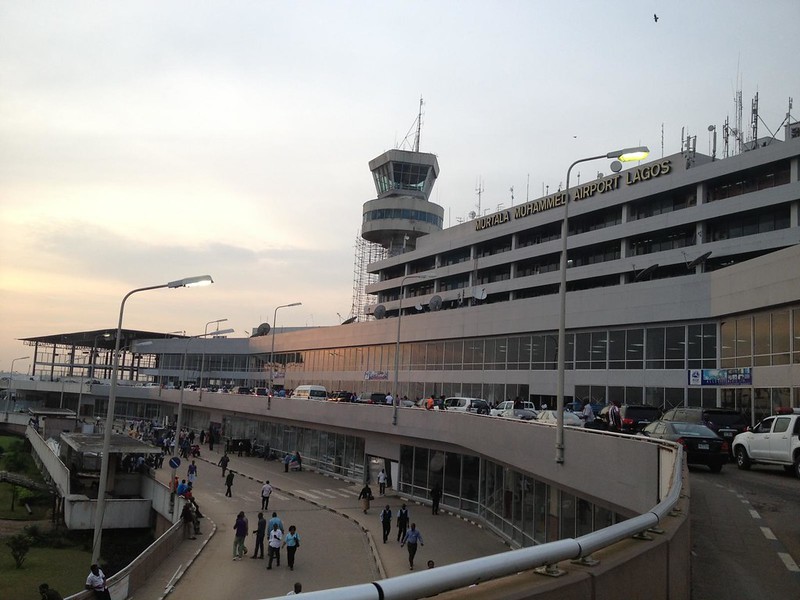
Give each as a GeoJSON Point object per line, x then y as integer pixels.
{"type": "Point", "coordinates": [479, 191]}
{"type": "Point", "coordinates": [419, 126]}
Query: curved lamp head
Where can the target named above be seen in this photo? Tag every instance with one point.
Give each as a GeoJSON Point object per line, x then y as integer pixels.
{"type": "Point", "coordinates": [630, 154]}
{"type": "Point", "coordinates": [191, 281]}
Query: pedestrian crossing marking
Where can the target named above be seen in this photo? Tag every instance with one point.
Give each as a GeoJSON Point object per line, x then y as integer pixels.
{"type": "Point", "coordinates": [306, 493]}
{"type": "Point", "coordinates": [341, 493]}
{"type": "Point", "coordinates": [327, 495]}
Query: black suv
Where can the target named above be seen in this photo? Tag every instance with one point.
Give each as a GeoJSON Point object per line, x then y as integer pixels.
{"type": "Point", "coordinates": [635, 417]}
{"type": "Point", "coordinates": [341, 396]}
{"type": "Point", "coordinates": [727, 423]}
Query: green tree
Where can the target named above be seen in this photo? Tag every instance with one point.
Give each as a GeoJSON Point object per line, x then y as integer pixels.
{"type": "Point", "coordinates": [19, 544]}
{"type": "Point", "coordinates": [15, 462]}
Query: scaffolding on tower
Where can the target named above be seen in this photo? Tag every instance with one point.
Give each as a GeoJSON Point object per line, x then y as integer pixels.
{"type": "Point", "coordinates": [366, 252]}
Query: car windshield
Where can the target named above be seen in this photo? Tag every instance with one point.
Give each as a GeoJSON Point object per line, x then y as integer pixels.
{"type": "Point", "coordinates": [642, 412]}
{"type": "Point", "coordinates": [317, 394]}
{"type": "Point", "coordinates": [726, 418]}
{"type": "Point", "coordinates": [692, 430]}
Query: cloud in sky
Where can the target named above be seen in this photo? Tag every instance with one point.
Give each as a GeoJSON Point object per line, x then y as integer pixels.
{"type": "Point", "coordinates": [148, 141]}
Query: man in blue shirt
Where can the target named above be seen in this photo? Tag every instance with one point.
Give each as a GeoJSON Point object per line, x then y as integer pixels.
{"type": "Point", "coordinates": [275, 521]}
{"type": "Point", "coordinates": [411, 539]}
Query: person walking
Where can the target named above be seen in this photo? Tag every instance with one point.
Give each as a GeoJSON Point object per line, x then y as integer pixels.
{"type": "Point", "coordinates": [614, 417]}
{"type": "Point", "coordinates": [382, 482]}
{"type": "Point", "coordinates": [275, 540]}
{"type": "Point", "coordinates": [229, 483]}
{"type": "Point", "coordinates": [260, 533]}
{"type": "Point", "coordinates": [187, 516]}
{"type": "Point", "coordinates": [191, 473]}
{"type": "Point", "coordinates": [223, 462]}
{"type": "Point", "coordinates": [240, 529]}
{"type": "Point", "coordinates": [286, 460]}
{"type": "Point", "coordinates": [386, 522]}
{"type": "Point", "coordinates": [587, 414]}
{"type": "Point", "coordinates": [436, 495]}
{"type": "Point", "coordinates": [292, 543]}
{"type": "Point", "coordinates": [275, 521]}
{"type": "Point", "coordinates": [402, 522]}
{"type": "Point", "coordinates": [96, 581]}
{"type": "Point", "coordinates": [266, 492]}
{"type": "Point", "coordinates": [365, 496]}
{"type": "Point", "coordinates": [411, 539]}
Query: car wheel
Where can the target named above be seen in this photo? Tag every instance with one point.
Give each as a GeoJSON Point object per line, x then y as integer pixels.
{"type": "Point", "coordinates": [797, 466]}
{"type": "Point", "coordinates": [715, 468]}
{"type": "Point", "coordinates": [742, 460]}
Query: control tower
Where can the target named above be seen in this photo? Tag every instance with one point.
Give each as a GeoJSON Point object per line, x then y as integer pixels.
{"type": "Point", "coordinates": [401, 213]}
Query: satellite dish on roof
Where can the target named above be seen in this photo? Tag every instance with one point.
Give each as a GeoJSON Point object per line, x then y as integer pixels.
{"type": "Point", "coordinates": [645, 272]}
{"type": "Point", "coordinates": [700, 259]}
{"type": "Point", "coordinates": [479, 293]}
{"type": "Point", "coordinates": [472, 214]}
{"type": "Point", "coordinates": [379, 312]}
{"type": "Point", "coordinates": [350, 320]}
{"type": "Point", "coordinates": [418, 306]}
{"type": "Point", "coordinates": [435, 303]}
{"type": "Point", "coordinates": [263, 329]}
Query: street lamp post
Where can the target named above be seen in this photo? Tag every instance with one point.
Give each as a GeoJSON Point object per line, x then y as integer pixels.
{"type": "Point", "coordinates": [203, 356]}
{"type": "Point", "coordinates": [112, 396]}
{"type": "Point", "coordinates": [272, 352]}
{"type": "Point", "coordinates": [624, 155]}
{"type": "Point", "coordinates": [93, 355]}
{"type": "Point", "coordinates": [9, 389]}
{"type": "Point", "coordinates": [397, 345]}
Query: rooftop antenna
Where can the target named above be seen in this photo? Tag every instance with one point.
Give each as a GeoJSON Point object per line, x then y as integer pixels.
{"type": "Point", "coordinates": [662, 140]}
{"type": "Point", "coordinates": [419, 126]}
{"type": "Point", "coordinates": [479, 191]}
{"type": "Point", "coordinates": [754, 120]}
{"type": "Point", "coordinates": [417, 131]}
{"type": "Point", "coordinates": [528, 185]}
{"type": "Point", "coordinates": [713, 141]}
{"type": "Point", "coordinates": [512, 195]}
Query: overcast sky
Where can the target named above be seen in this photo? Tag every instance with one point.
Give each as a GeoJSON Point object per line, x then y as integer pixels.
{"type": "Point", "coordinates": [143, 142]}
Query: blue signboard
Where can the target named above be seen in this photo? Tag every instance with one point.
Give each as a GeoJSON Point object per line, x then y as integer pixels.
{"type": "Point", "coordinates": [741, 376]}
{"type": "Point", "coordinates": [174, 462]}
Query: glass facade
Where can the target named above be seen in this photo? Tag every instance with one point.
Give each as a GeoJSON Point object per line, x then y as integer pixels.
{"type": "Point", "coordinates": [404, 213]}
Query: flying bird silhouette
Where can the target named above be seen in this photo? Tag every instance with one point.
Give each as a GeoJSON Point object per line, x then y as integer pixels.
{"type": "Point", "coordinates": [655, 17]}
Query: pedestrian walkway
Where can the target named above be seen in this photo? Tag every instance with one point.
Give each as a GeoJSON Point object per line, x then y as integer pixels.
{"type": "Point", "coordinates": [340, 545]}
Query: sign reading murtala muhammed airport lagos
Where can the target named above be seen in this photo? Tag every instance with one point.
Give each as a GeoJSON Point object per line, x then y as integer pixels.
{"type": "Point", "coordinates": [741, 376]}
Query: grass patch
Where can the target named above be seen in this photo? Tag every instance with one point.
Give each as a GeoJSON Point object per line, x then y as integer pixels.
{"type": "Point", "coordinates": [64, 570]}
{"type": "Point", "coordinates": [40, 504]}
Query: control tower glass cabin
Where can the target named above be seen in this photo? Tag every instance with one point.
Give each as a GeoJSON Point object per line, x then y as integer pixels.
{"type": "Point", "coordinates": [402, 213]}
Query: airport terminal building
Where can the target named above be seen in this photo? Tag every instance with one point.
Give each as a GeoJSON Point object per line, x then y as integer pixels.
{"type": "Point", "coordinates": [683, 287]}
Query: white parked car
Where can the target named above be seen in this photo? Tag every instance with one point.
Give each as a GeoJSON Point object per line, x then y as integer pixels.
{"type": "Point", "coordinates": [508, 405]}
{"type": "Point", "coordinates": [464, 404]}
{"type": "Point", "coordinates": [550, 416]}
{"type": "Point", "coordinates": [774, 441]}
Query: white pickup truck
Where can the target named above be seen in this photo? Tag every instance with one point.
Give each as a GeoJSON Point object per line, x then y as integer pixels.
{"type": "Point", "coordinates": [774, 441]}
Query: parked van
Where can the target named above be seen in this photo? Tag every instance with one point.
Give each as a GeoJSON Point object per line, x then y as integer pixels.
{"type": "Point", "coordinates": [310, 392]}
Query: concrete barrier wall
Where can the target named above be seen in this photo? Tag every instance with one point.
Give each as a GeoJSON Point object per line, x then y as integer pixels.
{"type": "Point", "coordinates": [655, 569]}
{"type": "Point", "coordinates": [52, 465]}
{"type": "Point", "coordinates": [128, 580]}
{"type": "Point", "coordinates": [599, 466]}
{"type": "Point", "coordinates": [79, 513]}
